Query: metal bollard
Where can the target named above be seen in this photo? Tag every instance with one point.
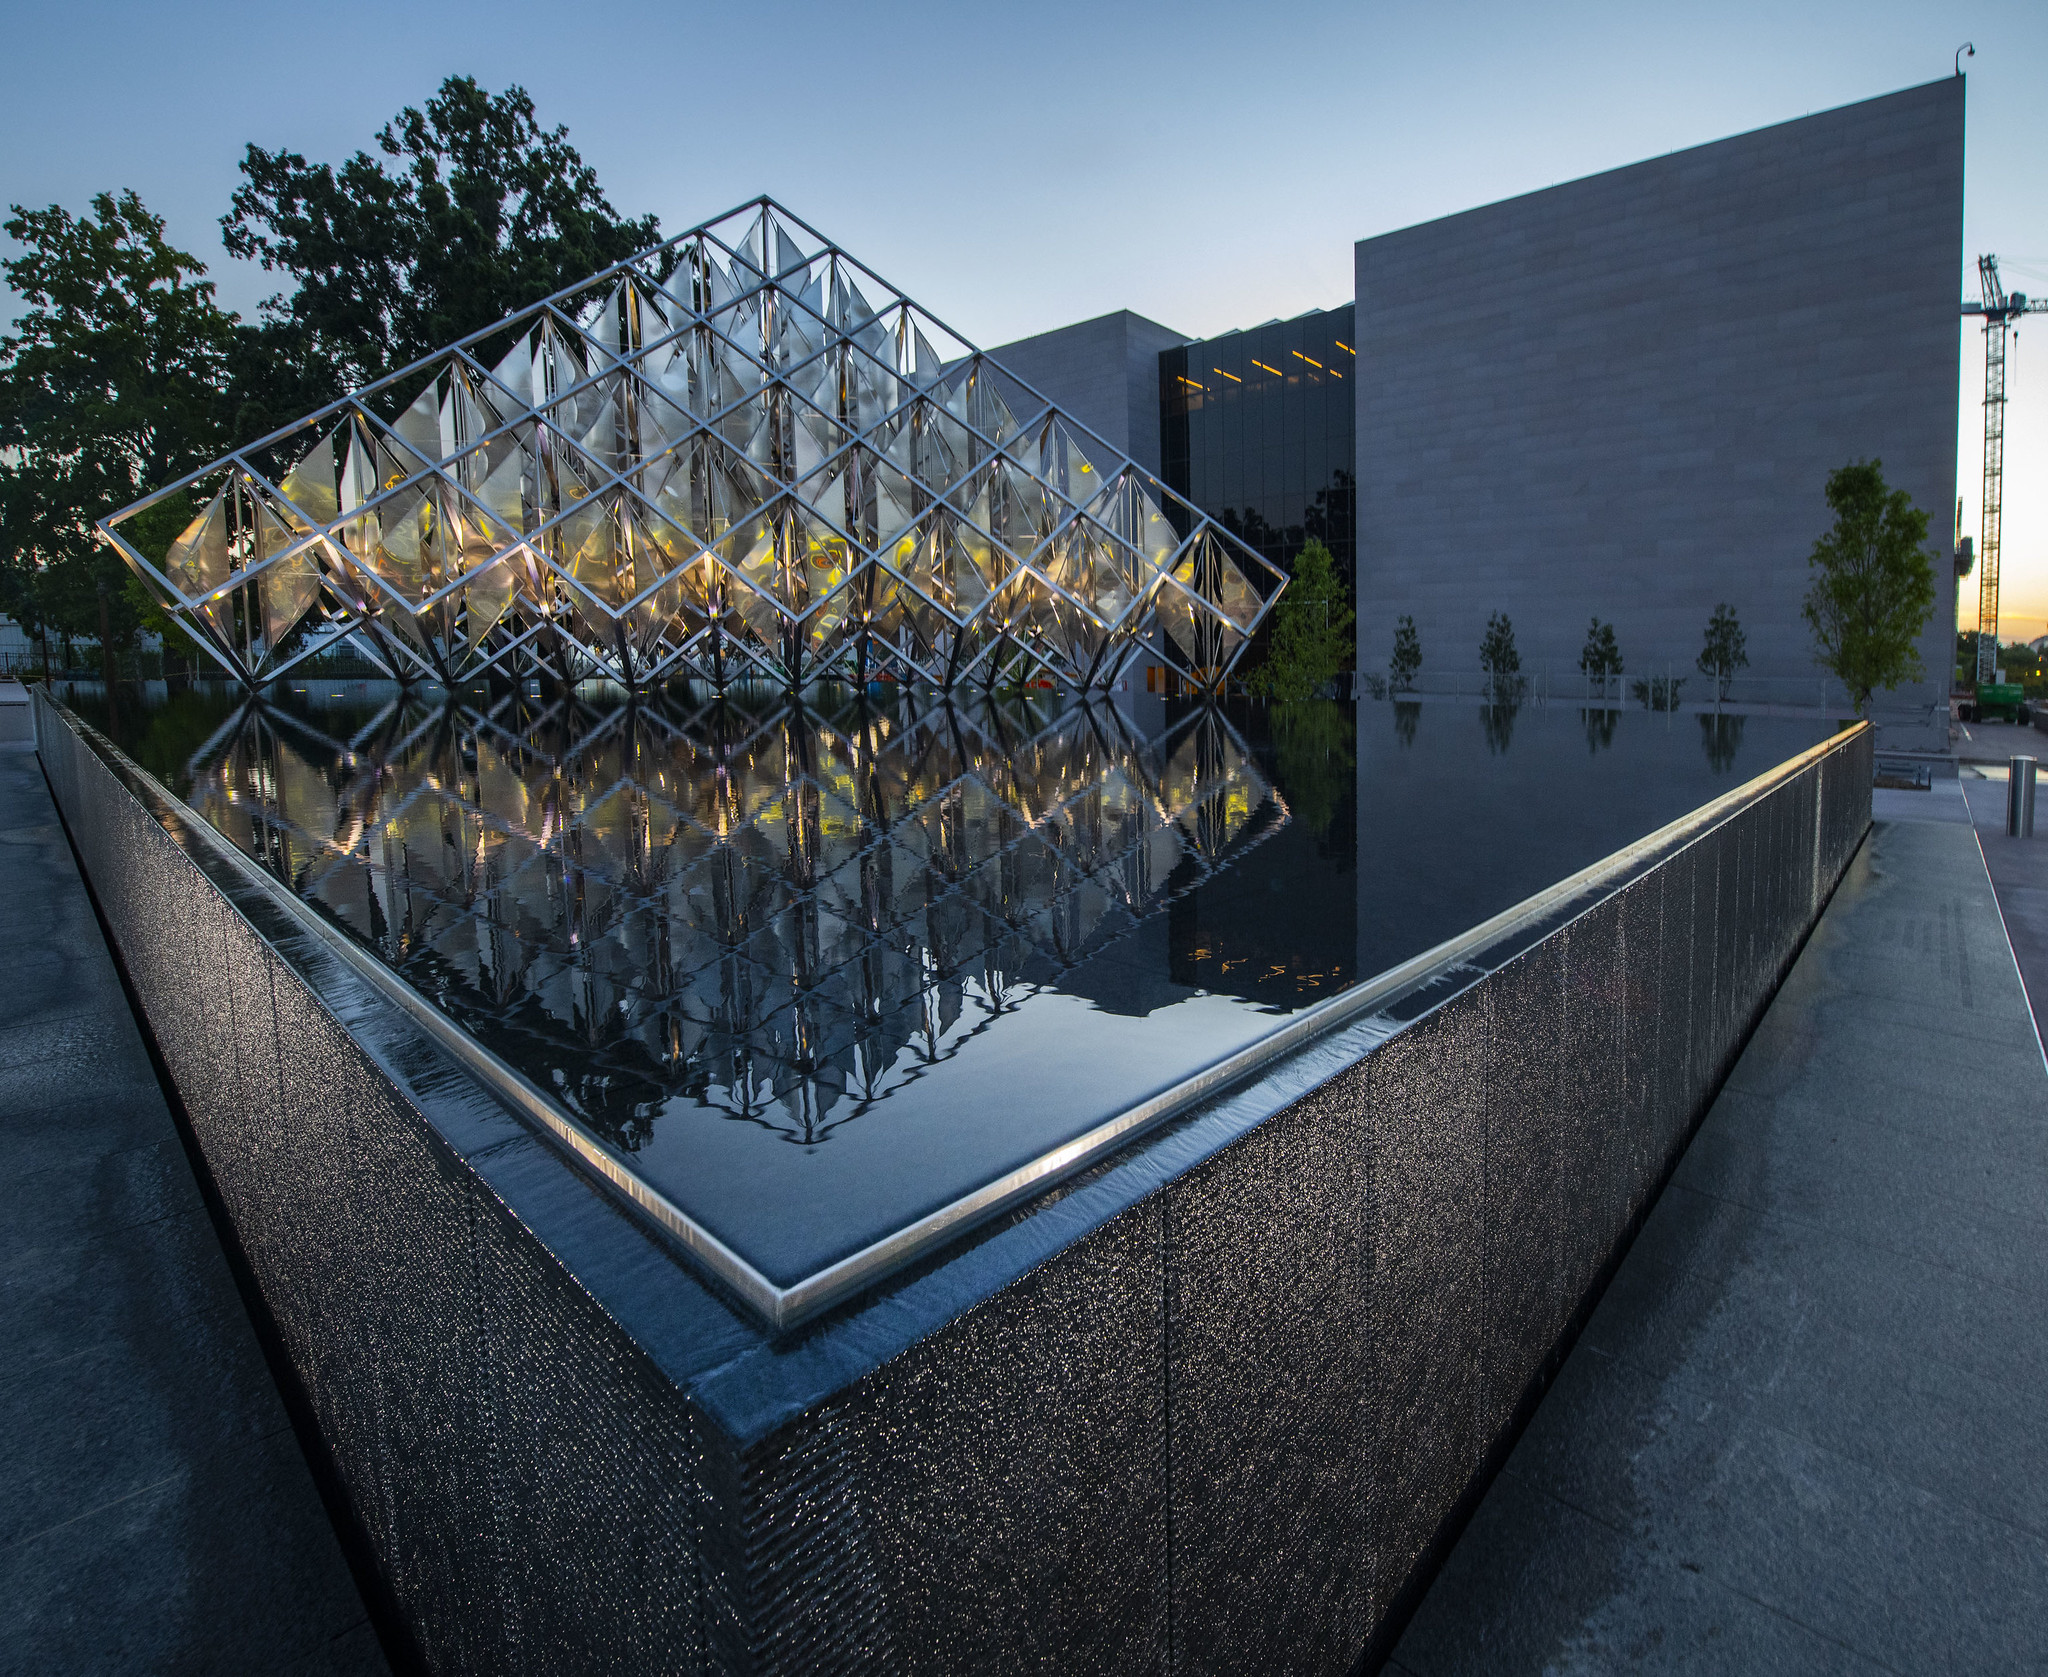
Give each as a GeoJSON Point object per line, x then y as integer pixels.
{"type": "Point", "coordinates": [2019, 798]}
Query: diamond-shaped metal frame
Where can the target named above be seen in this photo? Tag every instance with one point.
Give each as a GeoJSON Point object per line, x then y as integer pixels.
{"type": "Point", "coordinates": [716, 460]}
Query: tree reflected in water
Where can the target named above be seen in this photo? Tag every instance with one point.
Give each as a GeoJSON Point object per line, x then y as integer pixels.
{"type": "Point", "coordinates": [1721, 740]}
{"type": "Point", "coordinates": [1499, 722]}
{"type": "Point", "coordinates": [1407, 712]}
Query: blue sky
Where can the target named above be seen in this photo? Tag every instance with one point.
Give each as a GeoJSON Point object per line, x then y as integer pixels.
{"type": "Point", "coordinates": [1015, 167]}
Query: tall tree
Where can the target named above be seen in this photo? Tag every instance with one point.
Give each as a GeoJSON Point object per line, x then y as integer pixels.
{"type": "Point", "coordinates": [1311, 630]}
{"type": "Point", "coordinates": [110, 385]}
{"type": "Point", "coordinates": [1873, 587]}
{"type": "Point", "coordinates": [473, 210]}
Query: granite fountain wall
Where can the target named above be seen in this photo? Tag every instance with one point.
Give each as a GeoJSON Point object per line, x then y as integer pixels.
{"type": "Point", "coordinates": [1213, 1406]}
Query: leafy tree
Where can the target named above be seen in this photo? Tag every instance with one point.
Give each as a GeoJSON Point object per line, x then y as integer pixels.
{"type": "Point", "coordinates": [34, 519]}
{"type": "Point", "coordinates": [2018, 659]}
{"type": "Point", "coordinates": [1874, 587]}
{"type": "Point", "coordinates": [1726, 649]}
{"type": "Point", "coordinates": [1311, 630]}
{"type": "Point", "coordinates": [480, 212]}
{"type": "Point", "coordinates": [1966, 656]}
{"type": "Point", "coordinates": [1403, 666]}
{"type": "Point", "coordinates": [109, 386]}
{"type": "Point", "coordinates": [150, 532]}
{"type": "Point", "coordinates": [1499, 659]}
{"type": "Point", "coordinates": [1600, 658]}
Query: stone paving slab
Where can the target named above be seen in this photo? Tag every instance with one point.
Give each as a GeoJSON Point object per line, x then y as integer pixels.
{"type": "Point", "coordinates": [156, 1512]}
{"type": "Point", "coordinates": [2019, 873]}
{"type": "Point", "coordinates": [1801, 1432]}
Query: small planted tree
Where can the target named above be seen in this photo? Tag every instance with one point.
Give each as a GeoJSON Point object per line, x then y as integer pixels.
{"type": "Point", "coordinates": [1873, 585]}
{"type": "Point", "coordinates": [1311, 630]}
{"type": "Point", "coordinates": [1403, 666]}
{"type": "Point", "coordinates": [1499, 659]}
{"type": "Point", "coordinates": [1726, 650]}
{"type": "Point", "coordinates": [1600, 658]}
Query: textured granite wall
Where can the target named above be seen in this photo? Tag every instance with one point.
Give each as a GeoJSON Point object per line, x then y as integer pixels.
{"type": "Point", "coordinates": [1622, 396]}
{"type": "Point", "coordinates": [1220, 1421]}
{"type": "Point", "coordinates": [530, 1486]}
{"type": "Point", "coordinates": [1105, 372]}
{"type": "Point", "coordinates": [1232, 1430]}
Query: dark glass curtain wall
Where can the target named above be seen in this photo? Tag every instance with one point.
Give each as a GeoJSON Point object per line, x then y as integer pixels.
{"type": "Point", "coordinates": [1258, 429]}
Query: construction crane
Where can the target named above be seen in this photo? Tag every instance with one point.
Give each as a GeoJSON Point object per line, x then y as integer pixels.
{"type": "Point", "coordinates": [2000, 311]}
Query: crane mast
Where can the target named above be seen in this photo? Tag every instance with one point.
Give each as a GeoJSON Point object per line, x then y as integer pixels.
{"type": "Point", "coordinates": [2000, 310]}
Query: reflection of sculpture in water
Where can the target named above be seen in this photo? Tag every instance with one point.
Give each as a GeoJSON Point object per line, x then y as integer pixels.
{"type": "Point", "coordinates": [1599, 722]}
{"type": "Point", "coordinates": [1407, 712]}
{"type": "Point", "coordinates": [1721, 739]}
{"type": "Point", "coordinates": [779, 917]}
{"type": "Point", "coordinates": [1499, 722]}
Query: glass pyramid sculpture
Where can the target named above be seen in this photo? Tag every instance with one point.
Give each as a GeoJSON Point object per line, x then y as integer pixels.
{"type": "Point", "coordinates": [739, 456]}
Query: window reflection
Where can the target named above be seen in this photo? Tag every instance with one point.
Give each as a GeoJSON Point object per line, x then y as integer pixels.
{"type": "Point", "coordinates": [1258, 428]}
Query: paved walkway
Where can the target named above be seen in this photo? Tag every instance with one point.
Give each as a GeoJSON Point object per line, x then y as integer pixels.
{"type": "Point", "coordinates": [2019, 873]}
{"type": "Point", "coordinates": [1803, 1431]}
{"type": "Point", "coordinates": [156, 1513]}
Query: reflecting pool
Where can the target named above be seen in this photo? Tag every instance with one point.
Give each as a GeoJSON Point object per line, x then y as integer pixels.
{"type": "Point", "coordinates": [820, 970]}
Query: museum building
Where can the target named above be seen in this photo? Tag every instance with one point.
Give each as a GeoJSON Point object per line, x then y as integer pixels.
{"type": "Point", "coordinates": [1627, 411]}
{"type": "Point", "coordinates": [864, 1142]}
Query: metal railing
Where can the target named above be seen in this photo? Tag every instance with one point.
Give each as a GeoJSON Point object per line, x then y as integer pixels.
{"type": "Point", "coordinates": [1669, 686]}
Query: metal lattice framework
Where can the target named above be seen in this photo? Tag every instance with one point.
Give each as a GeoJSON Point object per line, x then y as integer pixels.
{"type": "Point", "coordinates": [717, 460]}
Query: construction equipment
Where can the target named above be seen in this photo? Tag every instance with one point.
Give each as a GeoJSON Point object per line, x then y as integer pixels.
{"type": "Point", "coordinates": [1998, 701]}
{"type": "Point", "coordinates": [2000, 311]}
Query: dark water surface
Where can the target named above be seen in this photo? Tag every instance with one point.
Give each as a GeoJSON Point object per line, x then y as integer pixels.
{"type": "Point", "coordinates": [820, 971]}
